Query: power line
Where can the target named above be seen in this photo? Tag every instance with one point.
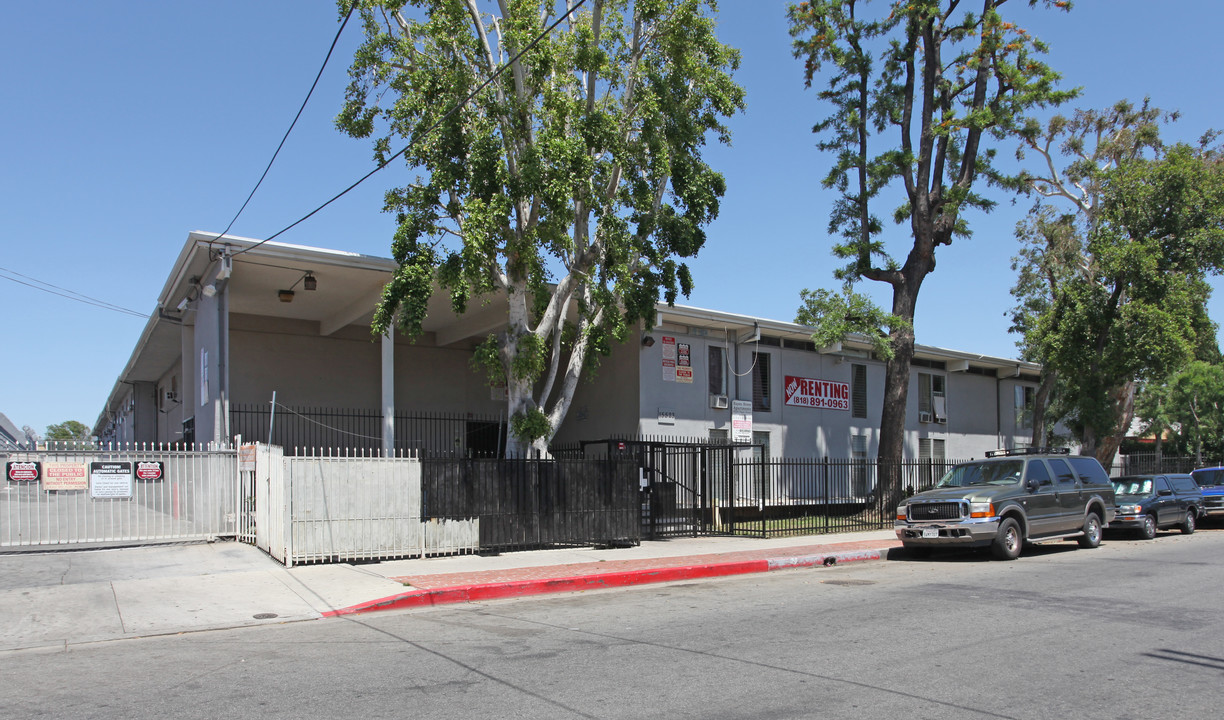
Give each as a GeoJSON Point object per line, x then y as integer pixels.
{"type": "Point", "coordinates": [427, 131]}
{"type": "Point", "coordinates": [295, 119]}
{"type": "Point", "coordinates": [69, 294]}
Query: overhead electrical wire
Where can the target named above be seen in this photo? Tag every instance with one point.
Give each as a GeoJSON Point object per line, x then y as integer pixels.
{"type": "Point", "coordinates": [295, 119]}
{"type": "Point", "coordinates": [78, 297]}
{"type": "Point", "coordinates": [427, 131]}
{"type": "Point", "coordinates": [66, 293]}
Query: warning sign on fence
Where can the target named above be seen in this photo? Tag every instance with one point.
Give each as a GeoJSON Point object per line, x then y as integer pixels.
{"type": "Point", "coordinates": [110, 480]}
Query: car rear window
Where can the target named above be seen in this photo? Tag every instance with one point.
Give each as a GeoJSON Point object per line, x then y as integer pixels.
{"type": "Point", "coordinates": [1089, 470]}
{"type": "Point", "coordinates": [1183, 483]}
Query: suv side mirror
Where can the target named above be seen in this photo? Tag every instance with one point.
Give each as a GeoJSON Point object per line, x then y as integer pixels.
{"type": "Point", "coordinates": [1031, 484]}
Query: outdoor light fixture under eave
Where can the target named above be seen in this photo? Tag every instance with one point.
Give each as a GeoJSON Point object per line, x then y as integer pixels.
{"type": "Point", "coordinates": [285, 295]}
{"type": "Point", "coordinates": [648, 341]}
{"type": "Point", "coordinates": [310, 282]}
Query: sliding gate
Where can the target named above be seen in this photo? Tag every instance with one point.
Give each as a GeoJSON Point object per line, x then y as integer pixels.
{"type": "Point", "coordinates": [688, 489]}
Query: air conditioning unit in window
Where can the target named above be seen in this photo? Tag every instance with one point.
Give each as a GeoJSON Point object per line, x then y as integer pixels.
{"type": "Point", "coordinates": [941, 419]}
{"type": "Point", "coordinates": [924, 417]}
{"type": "Point", "coordinates": [718, 402]}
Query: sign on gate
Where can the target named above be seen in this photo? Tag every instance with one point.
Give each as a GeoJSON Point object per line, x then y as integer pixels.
{"type": "Point", "coordinates": [65, 476]}
{"type": "Point", "coordinates": [110, 480]}
{"type": "Point", "coordinates": [150, 470]}
{"type": "Point", "coordinates": [19, 471]}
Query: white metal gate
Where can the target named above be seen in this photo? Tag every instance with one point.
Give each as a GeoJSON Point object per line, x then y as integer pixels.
{"type": "Point", "coordinates": [116, 496]}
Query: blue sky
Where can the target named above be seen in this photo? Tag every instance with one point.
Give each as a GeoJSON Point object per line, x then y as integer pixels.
{"type": "Point", "coordinates": [126, 125]}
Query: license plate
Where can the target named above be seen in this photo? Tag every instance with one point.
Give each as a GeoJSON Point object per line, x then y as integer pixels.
{"type": "Point", "coordinates": [930, 532]}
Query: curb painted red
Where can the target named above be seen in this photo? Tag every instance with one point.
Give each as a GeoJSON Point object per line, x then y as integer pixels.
{"type": "Point", "coordinates": [497, 591]}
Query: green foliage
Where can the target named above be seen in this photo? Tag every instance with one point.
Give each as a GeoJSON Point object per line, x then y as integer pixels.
{"type": "Point", "coordinates": [68, 430]}
{"type": "Point", "coordinates": [916, 90]}
{"type": "Point", "coordinates": [942, 80]}
{"type": "Point", "coordinates": [1191, 401]}
{"type": "Point", "coordinates": [1130, 301]}
{"type": "Point", "coordinates": [574, 183]}
{"type": "Point", "coordinates": [531, 425]}
{"type": "Point", "coordinates": [835, 316]}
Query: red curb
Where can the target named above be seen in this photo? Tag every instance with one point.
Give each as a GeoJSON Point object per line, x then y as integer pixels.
{"type": "Point", "coordinates": [521, 588]}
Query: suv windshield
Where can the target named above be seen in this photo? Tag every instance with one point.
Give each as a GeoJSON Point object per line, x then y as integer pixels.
{"type": "Point", "coordinates": [1209, 477]}
{"type": "Point", "coordinates": [1137, 486]}
{"type": "Point", "coordinates": [1004, 472]}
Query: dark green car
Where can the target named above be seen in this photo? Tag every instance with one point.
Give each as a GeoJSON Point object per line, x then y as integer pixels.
{"type": "Point", "coordinates": [1011, 498]}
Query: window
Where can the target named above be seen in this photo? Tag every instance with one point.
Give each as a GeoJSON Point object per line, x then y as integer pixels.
{"type": "Point", "coordinates": [1090, 471]}
{"type": "Point", "coordinates": [858, 391]}
{"type": "Point", "coordinates": [931, 456]}
{"type": "Point", "coordinates": [1026, 400]}
{"type": "Point", "coordinates": [760, 438]}
{"type": "Point", "coordinates": [760, 382]}
{"type": "Point", "coordinates": [858, 470]}
{"type": "Point", "coordinates": [718, 374]}
{"type": "Point", "coordinates": [932, 403]}
{"type": "Point", "coordinates": [720, 436]}
{"type": "Point", "coordinates": [1037, 471]}
{"type": "Point", "coordinates": [1062, 470]}
{"type": "Point", "coordinates": [931, 449]}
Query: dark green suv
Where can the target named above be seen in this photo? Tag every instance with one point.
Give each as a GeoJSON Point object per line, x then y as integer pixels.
{"type": "Point", "coordinates": [1011, 498]}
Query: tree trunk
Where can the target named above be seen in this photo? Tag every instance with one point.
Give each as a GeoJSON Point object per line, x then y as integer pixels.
{"type": "Point", "coordinates": [896, 394]}
{"type": "Point", "coordinates": [1124, 404]}
{"type": "Point", "coordinates": [1040, 401]}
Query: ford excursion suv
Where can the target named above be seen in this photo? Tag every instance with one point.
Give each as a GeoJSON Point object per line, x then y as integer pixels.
{"type": "Point", "coordinates": [1148, 502]}
{"type": "Point", "coordinates": [1011, 498]}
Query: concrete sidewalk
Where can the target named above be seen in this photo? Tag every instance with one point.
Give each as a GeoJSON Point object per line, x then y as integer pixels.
{"type": "Point", "coordinates": [57, 599]}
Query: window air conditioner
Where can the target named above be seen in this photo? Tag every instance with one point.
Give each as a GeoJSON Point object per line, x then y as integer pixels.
{"type": "Point", "coordinates": [924, 417]}
{"type": "Point", "coordinates": [718, 402]}
{"type": "Point", "coordinates": [941, 419]}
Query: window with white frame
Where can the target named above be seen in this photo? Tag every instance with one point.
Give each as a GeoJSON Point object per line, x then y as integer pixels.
{"type": "Point", "coordinates": [858, 468]}
{"type": "Point", "coordinates": [1026, 402]}
{"type": "Point", "coordinates": [761, 438]}
{"type": "Point", "coordinates": [931, 457]}
{"type": "Point", "coordinates": [932, 398]}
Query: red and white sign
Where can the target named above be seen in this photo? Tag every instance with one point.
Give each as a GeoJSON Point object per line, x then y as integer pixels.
{"type": "Point", "coordinates": [65, 476]}
{"type": "Point", "coordinates": [23, 471]}
{"type": "Point", "coordinates": [813, 393]}
{"type": "Point", "coordinates": [149, 471]}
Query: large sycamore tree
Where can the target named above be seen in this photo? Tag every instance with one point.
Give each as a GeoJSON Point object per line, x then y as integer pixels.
{"type": "Point", "coordinates": [572, 186]}
{"type": "Point", "coordinates": [1114, 295]}
{"type": "Point", "coordinates": [916, 90]}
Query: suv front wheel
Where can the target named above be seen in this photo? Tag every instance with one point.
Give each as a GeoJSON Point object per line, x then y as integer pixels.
{"type": "Point", "coordinates": [1092, 531]}
{"type": "Point", "coordinates": [1009, 541]}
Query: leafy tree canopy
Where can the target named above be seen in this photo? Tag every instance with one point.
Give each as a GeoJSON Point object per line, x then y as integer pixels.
{"type": "Point", "coordinates": [573, 183]}
{"type": "Point", "coordinates": [68, 430]}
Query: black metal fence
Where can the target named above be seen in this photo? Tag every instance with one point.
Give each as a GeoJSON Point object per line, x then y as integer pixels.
{"type": "Point", "coordinates": [525, 504]}
{"type": "Point", "coordinates": [789, 496]}
{"type": "Point", "coordinates": [302, 430]}
{"type": "Point", "coordinates": [1156, 463]}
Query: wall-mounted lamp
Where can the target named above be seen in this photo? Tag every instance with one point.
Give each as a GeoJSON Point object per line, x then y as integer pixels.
{"type": "Point", "coordinates": [210, 290]}
{"type": "Point", "coordinates": [310, 282]}
{"type": "Point", "coordinates": [648, 341]}
{"type": "Point", "coordinates": [285, 295]}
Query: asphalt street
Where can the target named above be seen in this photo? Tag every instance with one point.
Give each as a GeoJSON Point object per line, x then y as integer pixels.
{"type": "Point", "coordinates": [1128, 630]}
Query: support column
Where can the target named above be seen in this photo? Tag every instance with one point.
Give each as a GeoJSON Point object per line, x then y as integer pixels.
{"type": "Point", "coordinates": [388, 391]}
